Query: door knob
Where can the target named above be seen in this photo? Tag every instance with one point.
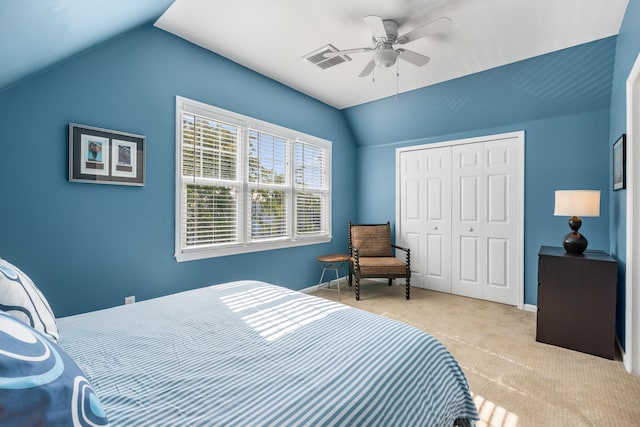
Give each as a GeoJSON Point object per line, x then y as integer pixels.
{"type": "Point", "coordinates": [435, 227]}
{"type": "Point", "coordinates": [470, 228]}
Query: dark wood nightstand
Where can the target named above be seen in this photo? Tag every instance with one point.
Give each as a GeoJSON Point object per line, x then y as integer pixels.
{"type": "Point", "coordinates": [577, 300]}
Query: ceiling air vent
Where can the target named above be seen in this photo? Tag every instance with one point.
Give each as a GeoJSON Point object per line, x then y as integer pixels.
{"type": "Point", "coordinates": [317, 57]}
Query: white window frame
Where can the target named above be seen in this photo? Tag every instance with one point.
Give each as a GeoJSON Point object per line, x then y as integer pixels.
{"type": "Point", "coordinates": [247, 245]}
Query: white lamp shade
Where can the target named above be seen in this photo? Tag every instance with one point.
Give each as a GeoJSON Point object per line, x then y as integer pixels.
{"type": "Point", "coordinates": [577, 203]}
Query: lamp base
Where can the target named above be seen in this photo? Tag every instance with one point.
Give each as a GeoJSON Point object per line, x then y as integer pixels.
{"type": "Point", "coordinates": [574, 243]}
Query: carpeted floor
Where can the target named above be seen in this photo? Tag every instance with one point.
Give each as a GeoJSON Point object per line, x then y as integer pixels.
{"type": "Point", "coordinates": [515, 380]}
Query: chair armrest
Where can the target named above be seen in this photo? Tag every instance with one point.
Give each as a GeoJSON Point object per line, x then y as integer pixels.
{"type": "Point", "coordinates": [408, 251]}
{"type": "Point", "coordinates": [400, 247]}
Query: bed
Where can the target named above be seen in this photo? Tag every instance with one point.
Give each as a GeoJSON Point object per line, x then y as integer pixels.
{"type": "Point", "coordinates": [250, 353]}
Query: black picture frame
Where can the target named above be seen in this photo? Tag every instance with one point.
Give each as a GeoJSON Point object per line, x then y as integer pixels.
{"type": "Point", "coordinates": [620, 163]}
{"type": "Point", "coordinates": [103, 156]}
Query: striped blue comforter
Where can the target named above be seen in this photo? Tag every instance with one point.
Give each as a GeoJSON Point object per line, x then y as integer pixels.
{"type": "Point", "coordinates": [253, 354]}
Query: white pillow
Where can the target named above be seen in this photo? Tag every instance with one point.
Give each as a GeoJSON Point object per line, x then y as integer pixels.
{"type": "Point", "coordinates": [21, 298]}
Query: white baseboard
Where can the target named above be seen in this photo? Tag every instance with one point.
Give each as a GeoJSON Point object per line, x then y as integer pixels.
{"type": "Point", "coordinates": [309, 290]}
{"type": "Point", "coordinates": [313, 289]}
{"type": "Point", "coordinates": [531, 308]}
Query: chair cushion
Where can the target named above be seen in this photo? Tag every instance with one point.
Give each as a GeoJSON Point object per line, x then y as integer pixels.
{"type": "Point", "coordinates": [382, 266]}
{"type": "Point", "coordinates": [372, 240]}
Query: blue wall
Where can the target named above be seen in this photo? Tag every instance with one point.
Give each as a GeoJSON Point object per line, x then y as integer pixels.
{"type": "Point", "coordinates": [566, 126]}
{"type": "Point", "coordinates": [627, 50]}
{"type": "Point", "coordinates": [88, 246]}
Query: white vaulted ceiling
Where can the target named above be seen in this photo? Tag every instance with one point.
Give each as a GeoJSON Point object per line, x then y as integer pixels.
{"type": "Point", "coordinates": [271, 37]}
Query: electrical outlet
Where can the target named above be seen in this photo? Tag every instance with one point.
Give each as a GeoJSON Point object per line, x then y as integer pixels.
{"type": "Point", "coordinates": [130, 300]}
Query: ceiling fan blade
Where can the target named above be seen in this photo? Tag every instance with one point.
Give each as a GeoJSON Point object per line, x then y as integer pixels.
{"type": "Point", "coordinates": [438, 26]}
{"type": "Point", "coordinates": [376, 26]}
{"type": "Point", "coordinates": [413, 57]}
{"type": "Point", "coordinates": [367, 69]}
{"type": "Point", "coordinates": [346, 52]}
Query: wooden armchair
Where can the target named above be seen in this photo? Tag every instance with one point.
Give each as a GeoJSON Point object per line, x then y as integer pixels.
{"type": "Point", "coordinates": [372, 256]}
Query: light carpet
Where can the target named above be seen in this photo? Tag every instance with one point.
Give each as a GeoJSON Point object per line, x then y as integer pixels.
{"type": "Point", "coordinates": [515, 380]}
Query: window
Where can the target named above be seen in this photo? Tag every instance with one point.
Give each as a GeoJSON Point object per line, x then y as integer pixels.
{"type": "Point", "coordinates": [243, 185]}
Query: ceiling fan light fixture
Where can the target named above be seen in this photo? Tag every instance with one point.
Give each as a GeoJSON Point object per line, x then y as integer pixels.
{"type": "Point", "coordinates": [385, 57]}
{"type": "Point", "coordinates": [384, 34]}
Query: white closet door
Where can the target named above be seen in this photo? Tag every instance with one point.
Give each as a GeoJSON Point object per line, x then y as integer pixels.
{"type": "Point", "coordinates": [425, 212]}
{"type": "Point", "coordinates": [412, 211]}
{"type": "Point", "coordinates": [460, 212]}
{"type": "Point", "coordinates": [467, 209]}
{"type": "Point", "coordinates": [501, 221]}
{"type": "Point", "coordinates": [437, 221]}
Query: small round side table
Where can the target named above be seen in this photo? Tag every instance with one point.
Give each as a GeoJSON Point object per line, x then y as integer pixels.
{"type": "Point", "coordinates": [333, 262]}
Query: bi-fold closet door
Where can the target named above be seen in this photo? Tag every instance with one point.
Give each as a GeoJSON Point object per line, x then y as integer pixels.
{"type": "Point", "coordinates": [459, 210]}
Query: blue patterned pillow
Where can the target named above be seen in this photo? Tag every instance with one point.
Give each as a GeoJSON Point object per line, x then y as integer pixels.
{"type": "Point", "coordinates": [40, 385]}
{"type": "Point", "coordinates": [21, 298]}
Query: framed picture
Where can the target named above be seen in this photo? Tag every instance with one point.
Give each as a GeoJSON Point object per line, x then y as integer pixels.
{"type": "Point", "coordinates": [620, 163]}
{"type": "Point", "coordinates": [103, 156]}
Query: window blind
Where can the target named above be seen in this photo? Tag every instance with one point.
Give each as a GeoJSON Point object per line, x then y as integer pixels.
{"type": "Point", "coordinates": [209, 158]}
{"type": "Point", "coordinates": [211, 215]}
{"type": "Point", "coordinates": [312, 189]}
{"type": "Point", "coordinates": [244, 185]}
{"type": "Point", "coordinates": [268, 168]}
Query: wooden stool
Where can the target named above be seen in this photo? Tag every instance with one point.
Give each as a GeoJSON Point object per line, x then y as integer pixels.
{"type": "Point", "coordinates": [333, 262]}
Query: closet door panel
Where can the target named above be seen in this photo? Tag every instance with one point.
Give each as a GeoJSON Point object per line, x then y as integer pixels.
{"type": "Point", "coordinates": [497, 265]}
{"type": "Point", "coordinates": [412, 211]}
{"type": "Point", "coordinates": [501, 227]}
{"type": "Point", "coordinates": [467, 202]}
{"type": "Point", "coordinates": [437, 225]}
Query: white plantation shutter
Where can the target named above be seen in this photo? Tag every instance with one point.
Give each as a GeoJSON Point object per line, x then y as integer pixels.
{"type": "Point", "coordinates": [211, 215]}
{"type": "Point", "coordinates": [268, 179]}
{"type": "Point", "coordinates": [209, 148]}
{"type": "Point", "coordinates": [209, 172]}
{"type": "Point", "coordinates": [268, 158]}
{"type": "Point", "coordinates": [312, 188]}
{"type": "Point", "coordinates": [243, 185]}
{"type": "Point", "coordinates": [268, 214]}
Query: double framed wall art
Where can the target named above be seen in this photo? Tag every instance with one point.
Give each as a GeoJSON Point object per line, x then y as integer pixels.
{"type": "Point", "coordinates": [104, 156]}
{"type": "Point", "coordinates": [619, 163]}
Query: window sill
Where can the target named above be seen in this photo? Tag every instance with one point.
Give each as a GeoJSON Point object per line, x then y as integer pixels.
{"type": "Point", "coordinates": [203, 253]}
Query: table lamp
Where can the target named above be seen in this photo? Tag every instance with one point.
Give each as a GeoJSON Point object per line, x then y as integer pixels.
{"type": "Point", "coordinates": [576, 203]}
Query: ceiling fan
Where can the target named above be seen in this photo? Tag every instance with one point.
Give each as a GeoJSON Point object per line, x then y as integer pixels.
{"type": "Point", "coordinates": [385, 36]}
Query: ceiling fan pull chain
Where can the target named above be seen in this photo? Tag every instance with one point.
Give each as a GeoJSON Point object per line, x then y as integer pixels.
{"type": "Point", "coordinates": [397, 80]}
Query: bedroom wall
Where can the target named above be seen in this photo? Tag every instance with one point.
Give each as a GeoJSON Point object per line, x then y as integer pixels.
{"type": "Point", "coordinates": [627, 50]}
{"type": "Point", "coordinates": [88, 246]}
{"type": "Point", "coordinates": [560, 103]}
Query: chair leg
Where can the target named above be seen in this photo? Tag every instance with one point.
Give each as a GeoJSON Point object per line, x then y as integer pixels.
{"type": "Point", "coordinates": [390, 282]}
{"type": "Point", "coordinates": [408, 289]}
{"type": "Point", "coordinates": [357, 289]}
